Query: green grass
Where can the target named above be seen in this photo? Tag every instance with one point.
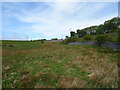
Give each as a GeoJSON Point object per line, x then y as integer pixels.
{"type": "Point", "coordinates": [30, 64]}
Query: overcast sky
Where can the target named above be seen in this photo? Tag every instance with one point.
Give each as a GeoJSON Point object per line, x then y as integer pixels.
{"type": "Point", "coordinates": [48, 20]}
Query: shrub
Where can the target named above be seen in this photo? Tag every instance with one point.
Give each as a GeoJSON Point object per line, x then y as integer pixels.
{"type": "Point", "coordinates": [101, 38]}
{"type": "Point", "coordinates": [42, 40]}
{"type": "Point", "coordinates": [118, 34]}
{"type": "Point", "coordinates": [87, 37]}
{"type": "Point", "coordinates": [70, 39]}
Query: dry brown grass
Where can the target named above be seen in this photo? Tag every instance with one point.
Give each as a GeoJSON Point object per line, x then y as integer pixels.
{"type": "Point", "coordinates": [5, 52]}
{"type": "Point", "coordinates": [100, 68]}
{"type": "Point", "coordinates": [69, 82]}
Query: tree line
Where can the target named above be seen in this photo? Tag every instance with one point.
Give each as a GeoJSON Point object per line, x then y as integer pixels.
{"type": "Point", "coordinates": [99, 32]}
{"type": "Point", "coordinates": [108, 27]}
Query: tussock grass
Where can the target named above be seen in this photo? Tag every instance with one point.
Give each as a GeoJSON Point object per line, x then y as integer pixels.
{"type": "Point", "coordinates": [55, 65]}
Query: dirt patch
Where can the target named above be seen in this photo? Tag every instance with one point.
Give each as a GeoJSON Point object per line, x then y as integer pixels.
{"type": "Point", "coordinates": [23, 72]}
{"type": "Point", "coordinates": [69, 82]}
{"type": "Point", "coordinates": [48, 78]}
{"type": "Point", "coordinates": [29, 81]}
{"type": "Point", "coordinates": [95, 76]}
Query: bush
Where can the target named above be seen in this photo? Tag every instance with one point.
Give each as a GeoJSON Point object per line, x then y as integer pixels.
{"type": "Point", "coordinates": [88, 37]}
{"type": "Point", "coordinates": [70, 39]}
{"type": "Point", "coordinates": [101, 38]}
{"type": "Point", "coordinates": [54, 39]}
{"type": "Point", "coordinates": [42, 40]}
{"type": "Point", "coordinates": [118, 34]}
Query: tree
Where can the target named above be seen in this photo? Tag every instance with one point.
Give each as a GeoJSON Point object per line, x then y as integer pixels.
{"type": "Point", "coordinates": [66, 37]}
{"type": "Point", "coordinates": [54, 39]}
{"type": "Point", "coordinates": [72, 33]}
{"type": "Point", "coordinates": [88, 37]}
{"type": "Point", "coordinates": [101, 38]}
{"type": "Point", "coordinates": [81, 33]}
{"type": "Point", "coordinates": [100, 29]}
{"type": "Point", "coordinates": [110, 26]}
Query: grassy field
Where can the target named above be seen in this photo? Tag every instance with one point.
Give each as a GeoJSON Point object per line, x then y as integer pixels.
{"type": "Point", "coordinates": [30, 64]}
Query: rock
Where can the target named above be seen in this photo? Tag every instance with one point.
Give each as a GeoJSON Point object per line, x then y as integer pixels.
{"type": "Point", "coordinates": [7, 68]}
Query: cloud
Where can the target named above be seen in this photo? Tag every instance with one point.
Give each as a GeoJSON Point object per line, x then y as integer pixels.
{"type": "Point", "coordinates": [60, 0]}
{"type": "Point", "coordinates": [53, 19]}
